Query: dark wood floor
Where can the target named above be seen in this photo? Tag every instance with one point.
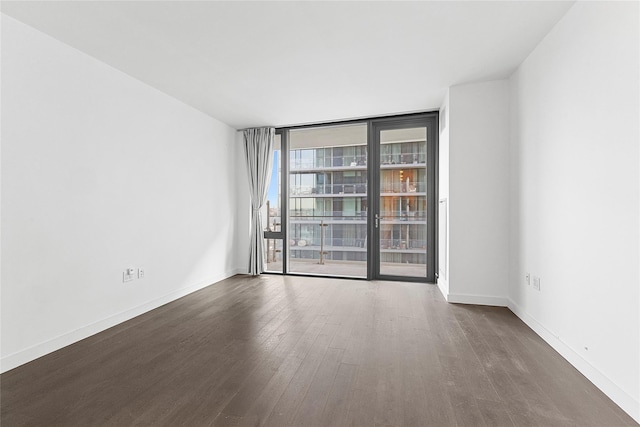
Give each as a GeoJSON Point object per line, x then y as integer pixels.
{"type": "Point", "coordinates": [280, 351]}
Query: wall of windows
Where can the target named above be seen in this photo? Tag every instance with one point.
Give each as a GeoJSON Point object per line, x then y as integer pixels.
{"type": "Point", "coordinates": [327, 194]}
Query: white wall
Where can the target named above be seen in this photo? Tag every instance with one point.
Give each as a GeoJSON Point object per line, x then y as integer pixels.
{"type": "Point", "coordinates": [575, 194]}
{"type": "Point", "coordinates": [443, 196]}
{"type": "Point", "coordinates": [478, 193]}
{"type": "Point", "coordinates": [101, 172]}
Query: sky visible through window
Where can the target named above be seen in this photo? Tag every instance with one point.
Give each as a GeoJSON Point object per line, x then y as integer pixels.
{"type": "Point", "coordinates": [272, 195]}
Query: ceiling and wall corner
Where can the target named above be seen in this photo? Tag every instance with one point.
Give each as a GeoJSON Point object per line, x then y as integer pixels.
{"type": "Point", "coordinates": [281, 63]}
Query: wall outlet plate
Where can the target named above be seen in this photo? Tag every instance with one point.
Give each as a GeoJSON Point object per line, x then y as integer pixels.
{"type": "Point", "coordinates": [536, 283]}
{"type": "Point", "coordinates": [527, 279]}
{"type": "Point", "coordinates": [141, 273]}
{"type": "Point", "coordinates": [126, 277]}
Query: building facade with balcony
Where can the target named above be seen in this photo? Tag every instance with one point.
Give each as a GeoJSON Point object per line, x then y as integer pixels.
{"type": "Point", "coordinates": [328, 205]}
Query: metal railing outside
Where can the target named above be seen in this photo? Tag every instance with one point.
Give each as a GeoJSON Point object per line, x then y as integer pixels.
{"type": "Point", "coordinates": [403, 216]}
{"type": "Point", "coordinates": [402, 158]}
{"type": "Point", "coordinates": [328, 162]}
{"type": "Point", "coordinates": [313, 216]}
{"type": "Point", "coordinates": [357, 160]}
{"type": "Point", "coordinates": [357, 188]}
{"type": "Point", "coordinates": [403, 244]}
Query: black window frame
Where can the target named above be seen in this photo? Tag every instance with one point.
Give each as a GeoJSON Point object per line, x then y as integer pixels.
{"type": "Point", "coordinates": [428, 118]}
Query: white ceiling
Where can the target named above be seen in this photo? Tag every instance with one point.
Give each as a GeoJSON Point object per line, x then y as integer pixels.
{"type": "Point", "coordinates": [281, 63]}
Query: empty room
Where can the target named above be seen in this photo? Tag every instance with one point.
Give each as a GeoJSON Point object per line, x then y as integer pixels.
{"type": "Point", "coordinates": [320, 213]}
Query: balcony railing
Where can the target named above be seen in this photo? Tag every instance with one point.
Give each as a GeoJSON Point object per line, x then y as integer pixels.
{"type": "Point", "coordinates": [328, 189]}
{"type": "Point", "coordinates": [400, 244]}
{"type": "Point", "coordinates": [403, 216]}
{"type": "Point", "coordinates": [353, 243]}
{"type": "Point", "coordinates": [329, 162]}
{"type": "Point", "coordinates": [329, 244]}
{"type": "Point", "coordinates": [342, 189]}
{"type": "Point", "coordinates": [356, 160]}
{"type": "Point", "coordinates": [402, 158]}
{"type": "Point", "coordinates": [314, 216]}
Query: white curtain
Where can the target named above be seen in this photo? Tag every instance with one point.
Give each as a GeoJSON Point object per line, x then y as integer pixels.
{"type": "Point", "coordinates": [258, 150]}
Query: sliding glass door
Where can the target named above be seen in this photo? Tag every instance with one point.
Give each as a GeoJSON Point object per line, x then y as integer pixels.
{"type": "Point", "coordinates": [358, 201]}
{"type": "Point", "coordinates": [403, 199]}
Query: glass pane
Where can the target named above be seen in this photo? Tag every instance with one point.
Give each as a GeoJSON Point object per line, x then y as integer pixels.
{"type": "Point", "coordinates": [273, 255]}
{"type": "Point", "coordinates": [273, 215]}
{"type": "Point", "coordinates": [328, 200]}
{"type": "Point", "coordinates": [403, 202]}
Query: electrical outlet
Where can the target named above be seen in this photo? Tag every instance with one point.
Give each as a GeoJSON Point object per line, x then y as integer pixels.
{"type": "Point", "coordinates": [128, 275]}
{"type": "Point", "coordinates": [536, 283]}
{"type": "Point", "coordinates": [141, 273]}
{"type": "Point", "coordinates": [527, 279]}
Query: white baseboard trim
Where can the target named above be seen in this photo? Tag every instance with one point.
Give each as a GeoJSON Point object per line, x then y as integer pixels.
{"type": "Point", "coordinates": [21, 357]}
{"type": "Point", "coordinates": [444, 289]}
{"type": "Point", "coordinates": [476, 299]}
{"type": "Point", "coordinates": [621, 398]}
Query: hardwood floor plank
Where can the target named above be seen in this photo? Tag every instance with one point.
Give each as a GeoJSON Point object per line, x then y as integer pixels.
{"type": "Point", "coordinates": [261, 376]}
{"type": "Point", "coordinates": [287, 406]}
{"type": "Point", "coordinates": [337, 406]}
{"type": "Point", "coordinates": [311, 408]}
{"type": "Point", "coordinates": [363, 397]}
{"type": "Point", "coordinates": [278, 351]}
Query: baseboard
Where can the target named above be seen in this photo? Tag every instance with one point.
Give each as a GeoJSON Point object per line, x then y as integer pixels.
{"type": "Point", "coordinates": [444, 289]}
{"type": "Point", "coordinates": [476, 299]}
{"type": "Point", "coordinates": [14, 360]}
{"type": "Point", "coordinates": [621, 398]}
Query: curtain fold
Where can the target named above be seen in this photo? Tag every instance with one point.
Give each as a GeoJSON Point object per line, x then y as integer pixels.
{"type": "Point", "coordinates": [258, 150]}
